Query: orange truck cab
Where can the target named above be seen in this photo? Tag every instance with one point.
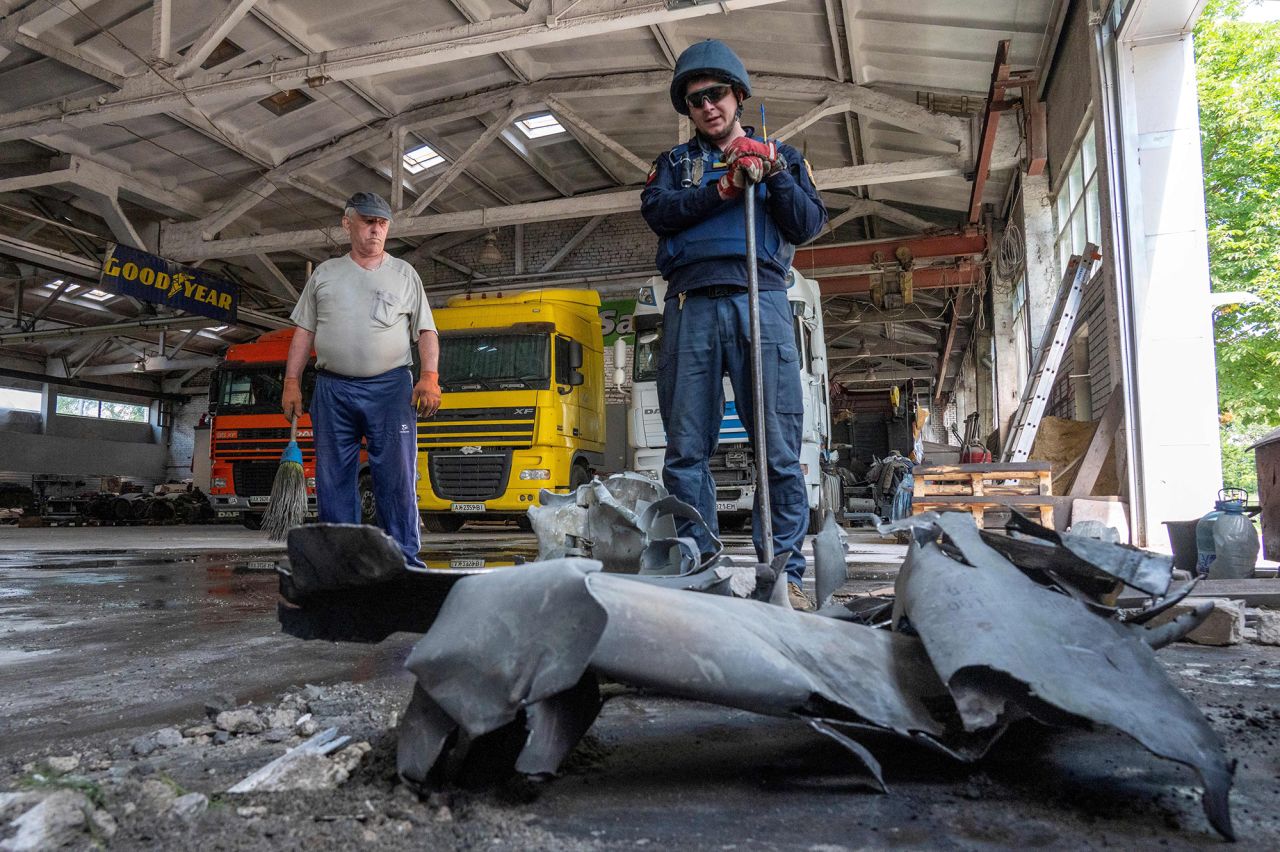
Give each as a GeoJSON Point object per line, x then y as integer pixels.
{"type": "Point", "coordinates": [248, 433]}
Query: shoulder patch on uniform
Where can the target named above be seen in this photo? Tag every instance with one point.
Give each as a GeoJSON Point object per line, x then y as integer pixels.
{"type": "Point", "coordinates": [653, 173]}
{"type": "Point", "coordinates": [808, 168]}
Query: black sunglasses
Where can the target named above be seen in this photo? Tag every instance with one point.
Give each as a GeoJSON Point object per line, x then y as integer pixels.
{"type": "Point", "coordinates": [710, 93]}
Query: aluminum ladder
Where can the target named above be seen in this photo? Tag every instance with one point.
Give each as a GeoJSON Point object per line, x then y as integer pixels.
{"type": "Point", "coordinates": [1057, 334]}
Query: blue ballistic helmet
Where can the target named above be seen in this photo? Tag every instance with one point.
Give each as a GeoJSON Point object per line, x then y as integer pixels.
{"type": "Point", "coordinates": [708, 58]}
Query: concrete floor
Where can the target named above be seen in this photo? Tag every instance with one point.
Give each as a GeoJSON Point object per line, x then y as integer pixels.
{"type": "Point", "coordinates": [106, 632]}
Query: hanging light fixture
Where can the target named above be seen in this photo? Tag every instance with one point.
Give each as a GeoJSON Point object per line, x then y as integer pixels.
{"type": "Point", "coordinates": [490, 254]}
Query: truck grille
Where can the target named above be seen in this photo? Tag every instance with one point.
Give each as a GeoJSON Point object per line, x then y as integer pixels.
{"type": "Point", "coordinates": [733, 467]}
{"type": "Point", "coordinates": [479, 427]}
{"type": "Point", "coordinates": [254, 478]}
{"type": "Point", "coordinates": [473, 477]}
{"type": "Point", "coordinates": [257, 444]}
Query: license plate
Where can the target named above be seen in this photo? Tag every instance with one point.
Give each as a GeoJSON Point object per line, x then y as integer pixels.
{"type": "Point", "coordinates": [467, 507]}
{"type": "Point", "coordinates": [266, 498]}
{"type": "Point", "coordinates": [260, 565]}
{"type": "Point", "coordinates": [466, 563]}
{"type": "Point", "coordinates": [726, 506]}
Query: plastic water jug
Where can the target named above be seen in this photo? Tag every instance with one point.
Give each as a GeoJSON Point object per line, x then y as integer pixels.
{"type": "Point", "coordinates": [1205, 549]}
{"type": "Point", "coordinates": [1235, 543]}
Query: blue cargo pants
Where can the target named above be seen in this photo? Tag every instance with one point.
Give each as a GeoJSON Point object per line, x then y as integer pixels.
{"type": "Point", "coordinates": [702, 340]}
{"type": "Point", "coordinates": [377, 409]}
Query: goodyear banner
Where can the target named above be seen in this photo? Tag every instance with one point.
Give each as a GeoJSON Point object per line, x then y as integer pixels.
{"type": "Point", "coordinates": [616, 318]}
{"type": "Point", "coordinates": [144, 276]}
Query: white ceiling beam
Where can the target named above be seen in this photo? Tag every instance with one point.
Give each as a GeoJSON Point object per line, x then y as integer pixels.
{"type": "Point", "coordinates": [187, 338]}
{"type": "Point", "coordinates": [833, 35]}
{"type": "Point", "coordinates": [69, 56]}
{"type": "Point", "coordinates": [146, 95]}
{"type": "Point", "coordinates": [572, 243]}
{"type": "Point", "coordinates": [224, 23]}
{"type": "Point", "coordinates": [919, 168]}
{"type": "Point", "coordinates": [830, 106]}
{"type": "Point", "coordinates": [456, 167]}
{"type": "Point", "coordinates": [162, 31]}
{"type": "Point", "coordinates": [536, 161]}
{"type": "Point", "coordinates": [854, 207]}
{"type": "Point", "coordinates": [563, 111]}
{"type": "Point", "coordinates": [154, 364]}
{"type": "Point", "coordinates": [664, 45]}
{"type": "Point", "coordinates": [270, 274]}
{"type": "Point", "coordinates": [108, 206]}
{"type": "Point", "coordinates": [397, 168]}
{"type": "Point", "coordinates": [186, 245]}
{"type": "Point", "coordinates": [109, 330]}
{"type": "Point", "coordinates": [244, 201]}
{"type": "Point", "coordinates": [474, 13]}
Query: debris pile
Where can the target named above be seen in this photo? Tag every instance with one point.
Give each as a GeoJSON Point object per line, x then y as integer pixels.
{"type": "Point", "coordinates": [983, 630]}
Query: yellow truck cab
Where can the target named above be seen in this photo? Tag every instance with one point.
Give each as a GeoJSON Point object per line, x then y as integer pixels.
{"type": "Point", "coordinates": [522, 377]}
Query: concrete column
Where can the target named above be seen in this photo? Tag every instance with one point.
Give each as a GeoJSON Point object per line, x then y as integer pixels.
{"type": "Point", "coordinates": [1172, 350]}
{"type": "Point", "coordinates": [1043, 275]}
{"type": "Point", "coordinates": [1006, 390]}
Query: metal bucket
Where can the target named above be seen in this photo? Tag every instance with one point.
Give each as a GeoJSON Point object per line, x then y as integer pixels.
{"type": "Point", "coordinates": [1182, 538]}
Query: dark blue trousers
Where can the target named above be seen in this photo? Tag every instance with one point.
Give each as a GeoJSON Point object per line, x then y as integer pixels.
{"type": "Point", "coordinates": [377, 409]}
{"type": "Point", "coordinates": [702, 341]}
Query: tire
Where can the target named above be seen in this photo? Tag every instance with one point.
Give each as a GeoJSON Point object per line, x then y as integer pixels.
{"type": "Point", "coordinates": [578, 476]}
{"type": "Point", "coordinates": [368, 507]}
{"type": "Point", "coordinates": [439, 522]}
{"type": "Point", "coordinates": [251, 520]}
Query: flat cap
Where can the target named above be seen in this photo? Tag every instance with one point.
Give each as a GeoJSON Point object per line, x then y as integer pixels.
{"type": "Point", "coordinates": [370, 204]}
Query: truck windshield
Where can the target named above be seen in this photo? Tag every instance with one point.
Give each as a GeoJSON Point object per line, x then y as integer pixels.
{"type": "Point", "coordinates": [495, 361]}
{"type": "Point", "coordinates": [247, 389]}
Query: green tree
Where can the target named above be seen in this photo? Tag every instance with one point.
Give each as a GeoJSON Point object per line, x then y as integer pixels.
{"type": "Point", "coordinates": [1238, 66]}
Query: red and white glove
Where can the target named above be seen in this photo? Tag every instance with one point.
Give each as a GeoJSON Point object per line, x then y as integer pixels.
{"type": "Point", "coordinates": [741, 171]}
{"type": "Point", "coordinates": [745, 146]}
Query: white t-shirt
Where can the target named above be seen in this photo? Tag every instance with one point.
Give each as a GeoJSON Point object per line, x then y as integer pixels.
{"type": "Point", "coordinates": [364, 320]}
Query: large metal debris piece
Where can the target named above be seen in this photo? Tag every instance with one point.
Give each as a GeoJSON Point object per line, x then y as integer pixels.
{"type": "Point", "coordinates": [564, 622]}
{"type": "Point", "coordinates": [627, 522]}
{"type": "Point", "coordinates": [1005, 646]}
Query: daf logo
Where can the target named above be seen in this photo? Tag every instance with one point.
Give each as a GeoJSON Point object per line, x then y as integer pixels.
{"type": "Point", "coordinates": [470, 451]}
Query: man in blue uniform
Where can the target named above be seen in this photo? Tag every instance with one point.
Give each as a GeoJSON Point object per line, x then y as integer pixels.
{"type": "Point", "coordinates": [694, 202]}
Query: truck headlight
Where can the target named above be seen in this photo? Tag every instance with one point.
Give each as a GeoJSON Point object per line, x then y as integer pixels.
{"type": "Point", "coordinates": [218, 482]}
{"type": "Point", "coordinates": [311, 482]}
{"type": "Point", "coordinates": [652, 474]}
{"type": "Point", "coordinates": [535, 473]}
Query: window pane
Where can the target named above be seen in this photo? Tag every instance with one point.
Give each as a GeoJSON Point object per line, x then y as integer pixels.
{"type": "Point", "coordinates": [1064, 252]}
{"type": "Point", "coordinates": [124, 411]}
{"type": "Point", "coordinates": [1094, 219]}
{"type": "Point", "coordinates": [1063, 210]}
{"type": "Point", "coordinates": [19, 400]}
{"type": "Point", "coordinates": [76, 406]}
{"type": "Point", "coordinates": [1075, 180]}
{"type": "Point", "coordinates": [1077, 231]}
{"type": "Point", "coordinates": [1089, 154]}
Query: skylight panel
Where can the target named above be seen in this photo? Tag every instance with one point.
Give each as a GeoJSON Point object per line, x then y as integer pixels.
{"type": "Point", "coordinates": [99, 296]}
{"type": "Point", "coordinates": [540, 125]}
{"type": "Point", "coordinates": [421, 158]}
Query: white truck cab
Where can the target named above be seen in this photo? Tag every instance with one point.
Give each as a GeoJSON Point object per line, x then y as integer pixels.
{"type": "Point", "coordinates": [733, 463]}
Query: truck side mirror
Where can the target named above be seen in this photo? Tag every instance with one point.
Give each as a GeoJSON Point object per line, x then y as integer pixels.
{"type": "Point", "coordinates": [619, 362]}
{"type": "Point", "coordinates": [575, 356]}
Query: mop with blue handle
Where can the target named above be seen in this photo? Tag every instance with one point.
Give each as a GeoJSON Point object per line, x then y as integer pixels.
{"type": "Point", "coordinates": [288, 491]}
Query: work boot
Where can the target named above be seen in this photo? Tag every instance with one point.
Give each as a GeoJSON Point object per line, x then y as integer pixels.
{"type": "Point", "coordinates": [799, 600]}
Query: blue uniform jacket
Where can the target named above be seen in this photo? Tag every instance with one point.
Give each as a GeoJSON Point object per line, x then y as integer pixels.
{"type": "Point", "coordinates": [702, 239]}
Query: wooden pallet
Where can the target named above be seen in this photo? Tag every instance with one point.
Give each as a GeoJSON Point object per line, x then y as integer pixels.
{"type": "Point", "coordinates": [975, 488]}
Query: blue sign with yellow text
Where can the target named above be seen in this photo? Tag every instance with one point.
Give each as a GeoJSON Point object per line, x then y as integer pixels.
{"type": "Point", "coordinates": [131, 272]}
